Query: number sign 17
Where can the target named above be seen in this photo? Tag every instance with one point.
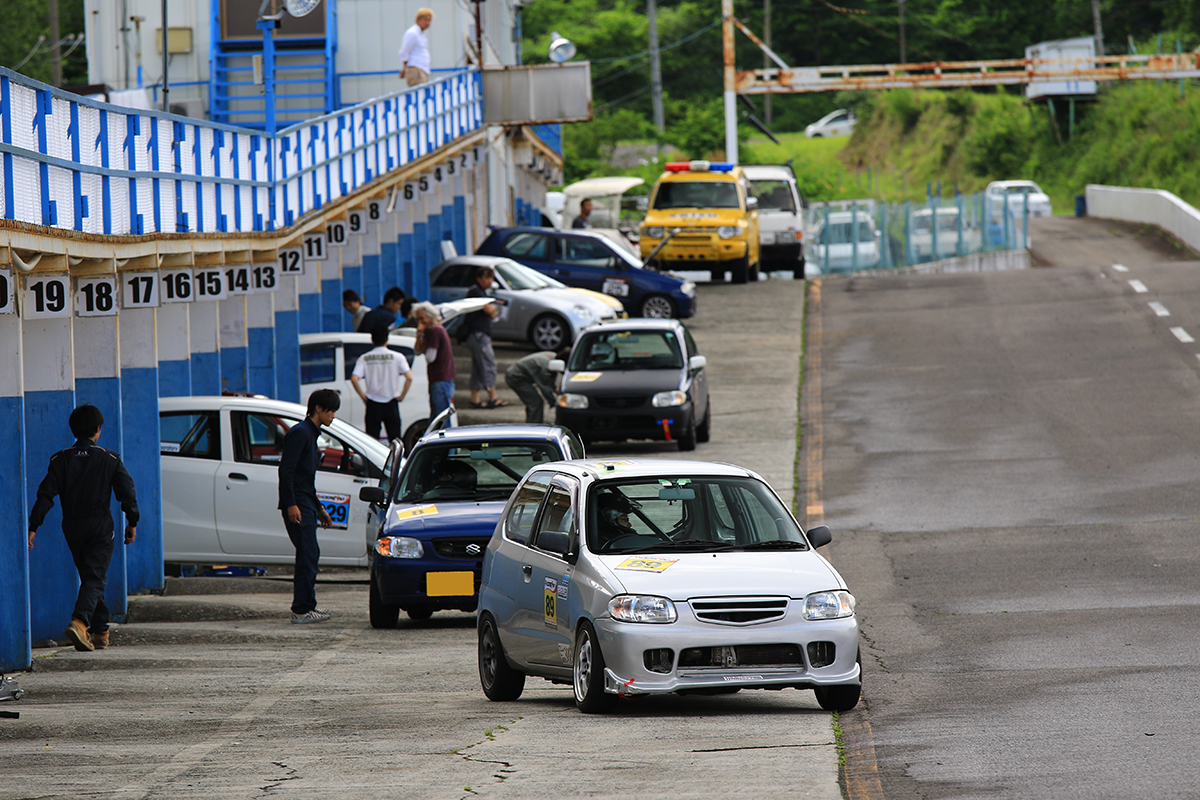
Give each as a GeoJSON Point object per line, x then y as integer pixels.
{"type": "Point", "coordinates": [139, 290]}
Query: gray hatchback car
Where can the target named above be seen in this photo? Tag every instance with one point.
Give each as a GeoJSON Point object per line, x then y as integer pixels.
{"type": "Point", "coordinates": [643, 577]}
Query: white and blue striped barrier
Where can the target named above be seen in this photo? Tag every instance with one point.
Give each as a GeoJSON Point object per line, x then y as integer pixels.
{"type": "Point", "coordinates": [75, 164]}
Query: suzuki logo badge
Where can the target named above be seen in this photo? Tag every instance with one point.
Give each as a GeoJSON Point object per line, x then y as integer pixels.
{"type": "Point", "coordinates": [474, 549]}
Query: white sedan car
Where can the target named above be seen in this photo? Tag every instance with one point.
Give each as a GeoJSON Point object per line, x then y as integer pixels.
{"type": "Point", "coordinates": [835, 123]}
{"type": "Point", "coordinates": [220, 482]}
{"type": "Point", "coordinates": [1018, 193]}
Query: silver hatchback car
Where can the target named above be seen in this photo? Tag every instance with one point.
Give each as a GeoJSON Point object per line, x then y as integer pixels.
{"type": "Point", "coordinates": [642, 577]}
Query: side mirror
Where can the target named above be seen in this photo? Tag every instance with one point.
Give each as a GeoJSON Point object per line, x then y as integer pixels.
{"type": "Point", "coordinates": [557, 542]}
{"type": "Point", "coordinates": [751, 203]}
{"type": "Point", "coordinates": [697, 363]}
{"type": "Point", "coordinates": [819, 536]}
{"type": "Point", "coordinates": [557, 365]}
{"type": "Point", "coordinates": [372, 494]}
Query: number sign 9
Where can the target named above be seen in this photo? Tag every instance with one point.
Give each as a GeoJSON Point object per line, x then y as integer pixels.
{"type": "Point", "coordinates": [96, 297]}
{"type": "Point", "coordinates": [139, 290]}
{"type": "Point", "coordinates": [47, 296]}
{"type": "Point", "coordinates": [7, 306]}
{"type": "Point", "coordinates": [175, 286]}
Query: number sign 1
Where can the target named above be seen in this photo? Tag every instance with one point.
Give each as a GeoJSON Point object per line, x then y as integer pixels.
{"type": "Point", "coordinates": [47, 296]}
{"type": "Point", "coordinates": [175, 286]}
{"type": "Point", "coordinates": [209, 284]}
{"type": "Point", "coordinates": [139, 290]}
{"type": "Point", "coordinates": [291, 261]}
{"type": "Point", "coordinates": [7, 304]}
{"type": "Point", "coordinates": [96, 297]}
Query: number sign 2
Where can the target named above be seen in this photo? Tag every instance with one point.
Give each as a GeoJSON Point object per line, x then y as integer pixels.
{"type": "Point", "coordinates": [96, 297]}
{"type": "Point", "coordinates": [47, 296]}
{"type": "Point", "coordinates": [7, 306]}
{"type": "Point", "coordinates": [139, 290]}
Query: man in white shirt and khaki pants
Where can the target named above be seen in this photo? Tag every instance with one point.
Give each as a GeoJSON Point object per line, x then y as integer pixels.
{"type": "Point", "coordinates": [376, 378]}
{"type": "Point", "coordinates": [415, 63]}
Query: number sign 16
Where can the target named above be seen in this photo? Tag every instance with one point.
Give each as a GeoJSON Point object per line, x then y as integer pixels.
{"type": "Point", "coordinates": [47, 296]}
{"type": "Point", "coordinates": [96, 297]}
{"type": "Point", "coordinates": [175, 286]}
{"type": "Point", "coordinates": [139, 290]}
{"type": "Point", "coordinates": [7, 306]}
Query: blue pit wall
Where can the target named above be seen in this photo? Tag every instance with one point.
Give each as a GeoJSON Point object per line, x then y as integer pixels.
{"type": "Point", "coordinates": [97, 199]}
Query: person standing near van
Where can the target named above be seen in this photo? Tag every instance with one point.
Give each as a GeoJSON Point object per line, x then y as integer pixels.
{"type": "Point", "coordinates": [84, 477]}
{"type": "Point", "coordinates": [376, 378]}
{"type": "Point", "coordinates": [415, 63]}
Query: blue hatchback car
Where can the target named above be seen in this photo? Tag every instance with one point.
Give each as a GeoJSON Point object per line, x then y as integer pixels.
{"type": "Point", "coordinates": [591, 260]}
{"type": "Point", "coordinates": [431, 524]}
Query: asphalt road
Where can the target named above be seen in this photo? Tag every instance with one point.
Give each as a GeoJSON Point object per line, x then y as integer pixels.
{"type": "Point", "coordinates": [1009, 463]}
{"type": "Point", "coordinates": [210, 692]}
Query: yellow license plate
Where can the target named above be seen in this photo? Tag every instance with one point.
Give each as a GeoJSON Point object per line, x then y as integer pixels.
{"type": "Point", "coordinates": [449, 584]}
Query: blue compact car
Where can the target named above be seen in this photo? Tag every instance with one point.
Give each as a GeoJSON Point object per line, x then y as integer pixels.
{"type": "Point", "coordinates": [429, 527]}
{"type": "Point", "coordinates": [590, 260]}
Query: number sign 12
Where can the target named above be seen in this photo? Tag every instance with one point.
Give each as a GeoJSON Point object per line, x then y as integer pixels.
{"type": "Point", "coordinates": [96, 297]}
{"type": "Point", "coordinates": [47, 296]}
{"type": "Point", "coordinates": [7, 306]}
{"type": "Point", "coordinates": [291, 261]}
{"type": "Point", "coordinates": [175, 286]}
{"type": "Point", "coordinates": [139, 290]}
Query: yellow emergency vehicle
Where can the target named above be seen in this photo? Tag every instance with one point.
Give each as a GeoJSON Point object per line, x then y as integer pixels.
{"type": "Point", "coordinates": [709, 208]}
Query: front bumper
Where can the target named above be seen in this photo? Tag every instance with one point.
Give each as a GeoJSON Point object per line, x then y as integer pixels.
{"type": "Point", "coordinates": [811, 645]}
{"type": "Point", "coordinates": [405, 582]}
{"type": "Point", "coordinates": [685, 251]}
{"type": "Point", "coordinates": [609, 422]}
{"type": "Point", "coordinates": [786, 256]}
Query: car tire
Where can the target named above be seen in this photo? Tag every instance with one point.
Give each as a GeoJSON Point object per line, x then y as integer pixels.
{"type": "Point", "coordinates": [704, 429]}
{"type": "Point", "coordinates": [414, 432]}
{"type": "Point", "coordinates": [739, 271]}
{"type": "Point", "coordinates": [382, 615]}
{"type": "Point", "coordinates": [841, 697]}
{"type": "Point", "coordinates": [499, 680]}
{"type": "Point", "coordinates": [550, 332]}
{"type": "Point", "coordinates": [588, 673]}
{"type": "Point", "coordinates": [419, 613]}
{"type": "Point", "coordinates": [687, 442]}
{"type": "Point", "coordinates": [657, 306]}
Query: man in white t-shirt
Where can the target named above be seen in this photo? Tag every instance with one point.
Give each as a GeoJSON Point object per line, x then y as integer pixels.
{"type": "Point", "coordinates": [415, 63]}
{"type": "Point", "coordinates": [376, 378]}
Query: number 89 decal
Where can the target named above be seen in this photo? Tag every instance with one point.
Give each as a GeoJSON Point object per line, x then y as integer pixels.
{"type": "Point", "coordinates": [550, 596]}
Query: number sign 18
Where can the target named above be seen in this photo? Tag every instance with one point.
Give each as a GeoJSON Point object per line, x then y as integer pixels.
{"type": "Point", "coordinates": [47, 296]}
{"type": "Point", "coordinates": [96, 297]}
{"type": "Point", "coordinates": [7, 306]}
{"type": "Point", "coordinates": [175, 286]}
{"type": "Point", "coordinates": [139, 290]}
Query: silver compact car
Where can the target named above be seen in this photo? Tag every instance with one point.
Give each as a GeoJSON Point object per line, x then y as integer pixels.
{"type": "Point", "coordinates": [644, 577]}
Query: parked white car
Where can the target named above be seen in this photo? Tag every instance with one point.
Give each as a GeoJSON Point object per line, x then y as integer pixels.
{"type": "Point", "coordinates": [843, 241]}
{"type": "Point", "coordinates": [780, 217]}
{"type": "Point", "coordinates": [1016, 193]}
{"type": "Point", "coordinates": [921, 238]}
{"type": "Point", "coordinates": [220, 482]}
{"type": "Point", "coordinates": [835, 123]}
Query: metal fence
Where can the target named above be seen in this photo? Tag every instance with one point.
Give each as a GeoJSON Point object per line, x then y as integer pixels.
{"type": "Point", "coordinates": [854, 235]}
{"type": "Point", "coordinates": [72, 163]}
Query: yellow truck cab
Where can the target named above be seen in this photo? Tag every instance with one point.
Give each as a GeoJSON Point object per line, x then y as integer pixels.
{"type": "Point", "coordinates": [709, 207]}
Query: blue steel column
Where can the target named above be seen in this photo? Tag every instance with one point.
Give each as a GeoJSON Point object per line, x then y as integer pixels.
{"type": "Point", "coordinates": [287, 344]}
{"type": "Point", "coordinates": [331, 289]}
{"type": "Point", "coordinates": [204, 342]}
{"type": "Point", "coordinates": [372, 260]}
{"type": "Point", "coordinates": [260, 342]}
{"type": "Point", "coordinates": [309, 287]}
{"type": "Point", "coordinates": [459, 214]}
{"type": "Point", "coordinates": [174, 353]}
{"type": "Point", "coordinates": [15, 652]}
{"type": "Point", "coordinates": [49, 400]}
{"type": "Point", "coordinates": [233, 343]}
{"type": "Point", "coordinates": [140, 440]}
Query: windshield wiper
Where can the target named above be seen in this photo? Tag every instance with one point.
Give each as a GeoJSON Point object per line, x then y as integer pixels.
{"type": "Point", "coordinates": [773, 545]}
{"type": "Point", "coordinates": [703, 547]}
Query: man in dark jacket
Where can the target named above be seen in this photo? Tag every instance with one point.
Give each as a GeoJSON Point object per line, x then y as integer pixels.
{"type": "Point", "coordinates": [302, 511]}
{"type": "Point", "coordinates": [383, 314]}
{"type": "Point", "coordinates": [84, 477]}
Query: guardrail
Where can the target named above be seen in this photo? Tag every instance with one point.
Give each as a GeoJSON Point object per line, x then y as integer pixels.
{"type": "Point", "coordinates": [1153, 206]}
{"type": "Point", "coordinates": [76, 164]}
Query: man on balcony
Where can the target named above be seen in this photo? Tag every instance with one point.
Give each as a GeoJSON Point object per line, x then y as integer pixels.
{"type": "Point", "coordinates": [415, 64]}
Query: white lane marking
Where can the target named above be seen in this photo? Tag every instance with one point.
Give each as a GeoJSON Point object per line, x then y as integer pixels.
{"type": "Point", "coordinates": [1138, 286]}
{"type": "Point", "coordinates": [1120, 268]}
{"type": "Point", "coordinates": [1159, 309]}
{"type": "Point", "coordinates": [1182, 335]}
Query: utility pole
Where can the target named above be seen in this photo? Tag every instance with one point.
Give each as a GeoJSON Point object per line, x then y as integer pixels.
{"type": "Point", "coordinates": [1099, 30]}
{"type": "Point", "coordinates": [731, 142]}
{"type": "Point", "coordinates": [660, 122]}
{"type": "Point", "coordinates": [766, 58]}
{"type": "Point", "coordinates": [903, 45]}
{"type": "Point", "coordinates": [166, 60]}
{"type": "Point", "coordinates": [56, 47]}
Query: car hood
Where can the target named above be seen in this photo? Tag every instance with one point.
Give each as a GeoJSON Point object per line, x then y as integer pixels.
{"type": "Point", "coordinates": [689, 575]}
{"type": "Point", "coordinates": [645, 381]}
{"type": "Point", "coordinates": [606, 299]}
{"type": "Point", "coordinates": [566, 299]}
{"type": "Point", "coordinates": [444, 518]}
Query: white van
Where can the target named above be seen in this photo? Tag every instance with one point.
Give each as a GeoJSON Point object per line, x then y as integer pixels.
{"type": "Point", "coordinates": [780, 218]}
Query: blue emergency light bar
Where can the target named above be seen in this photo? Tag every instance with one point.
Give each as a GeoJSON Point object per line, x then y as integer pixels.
{"type": "Point", "coordinates": [699, 166]}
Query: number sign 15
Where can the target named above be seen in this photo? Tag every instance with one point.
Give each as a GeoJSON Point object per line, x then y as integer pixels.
{"type": "Point", "coordinates": [7, 305]}
{"type": "Point", "coordinates": [96, 297]}
{"type": "Point", "coordinates": [209, 284]}
{"type": "Point", "coordinates": [47, 296]}
{"type": "Point", "coordinates": [139, 290]}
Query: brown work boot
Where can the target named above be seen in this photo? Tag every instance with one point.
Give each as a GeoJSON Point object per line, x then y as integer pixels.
{"type": "Point", "coordinates": [78, 634]}
{"type": "Point", "coordinates": [100, 640]}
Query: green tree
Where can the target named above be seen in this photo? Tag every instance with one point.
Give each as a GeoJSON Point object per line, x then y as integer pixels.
{"type": "Point", "coordinates": [23, 21]}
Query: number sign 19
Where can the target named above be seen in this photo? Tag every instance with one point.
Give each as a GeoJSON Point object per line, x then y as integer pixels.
{"type": "Point", "coordinates": [96, 297]}
{"type": "Point", "coordinates": [47, 296]}
{"type": "Point", "coordinates": [175, 286]}
{"type": "Point", "coordinates": [7, 306]}
{"type": "Point", "coordinates": [291, 261]}
{"type": "Point", "coordinates": [209, 284]}
{"type": "Point", "coordinates": [139, 290]}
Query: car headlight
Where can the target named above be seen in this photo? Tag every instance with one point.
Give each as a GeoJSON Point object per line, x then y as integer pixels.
{"type": "Point", "coordinates": [399, 547]}
{"type": "Point", "coordinates": [766, 237]}
{"type": "Point", "coordinates": [688, 288]}
{"type": "Point", "coordinates": [568, 400]}
{"type": "Point", "coordinates": [728, 231]}
{"type": "Point", "coordinates": [583, 312]}
{"type": "Point", "coordinates": [653, 232]}
{"type": "Point", "coordinates": [668, 399]}
{"type": "Point", "coordinates": [787, 237]}
{"type": "Point", "coordinates": [829, 605]}
{"type": "Point", "coordinates": [642, 608]}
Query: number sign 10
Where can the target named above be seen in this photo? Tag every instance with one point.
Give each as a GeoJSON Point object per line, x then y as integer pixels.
{"type": "Point", "coordinates": [96, 297]}
{"type": "Point", "coordinates": [7, 306]}
{"type": "Point", "coordinates": [47, 296]}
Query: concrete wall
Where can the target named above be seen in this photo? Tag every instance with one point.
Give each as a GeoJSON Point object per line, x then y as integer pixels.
{"type": "Point", "coordinates": [1152, 206]}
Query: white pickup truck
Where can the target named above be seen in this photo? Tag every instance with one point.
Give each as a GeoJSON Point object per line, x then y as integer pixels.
{"type": "Point", "coordinates": [780, 218]}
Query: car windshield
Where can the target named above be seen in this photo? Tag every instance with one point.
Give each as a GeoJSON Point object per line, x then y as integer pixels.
{"type": "Point", "coordinates": [774, 196]}
{"type": "Point", "coordinates": [519, 276]}
{"type": "Point", "coordinates": [840, 232]}
{"type": "Point", "coordinates": [470, 470]}
{"type": "Point", "coordinates": [603, 351]}
{"type": "Point", "coordinates": [946, 222]}
{"type": "Point", "coordinates": [688, 514]}
{"type": "Point", "coordinates": [697, 194]}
